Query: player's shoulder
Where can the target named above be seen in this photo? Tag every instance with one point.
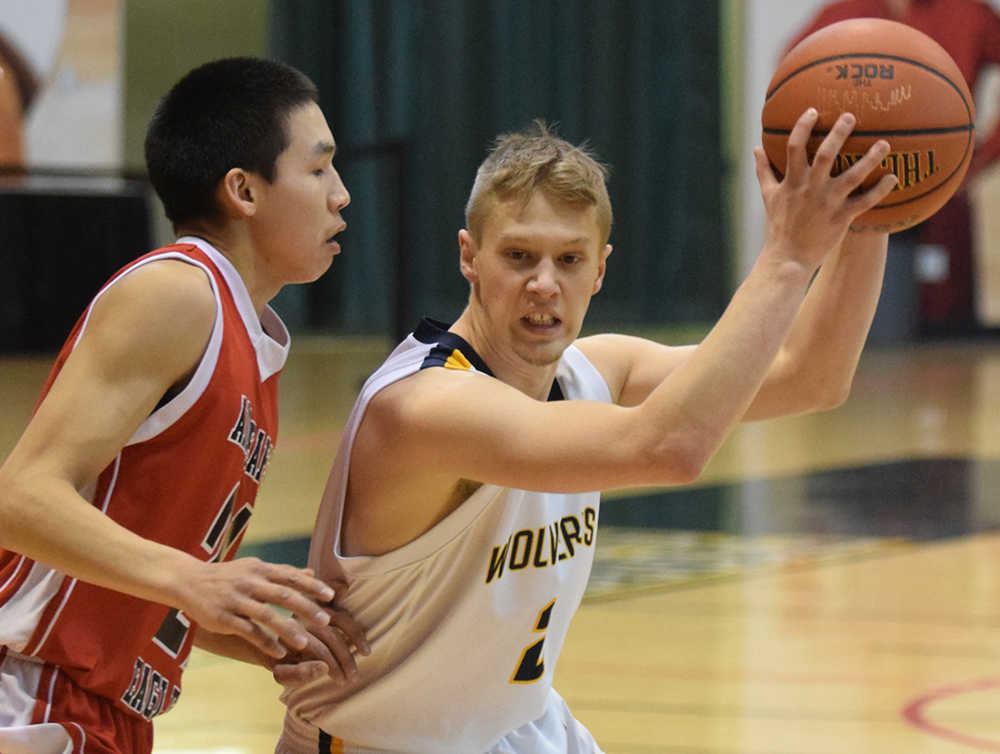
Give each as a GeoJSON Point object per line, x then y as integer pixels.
{"type": "Point", "coordinates": [170, 289]}
{"type": "Point", "coordinates": [162, 306]}
{"type": "Point", "coordinates": [427, 397]}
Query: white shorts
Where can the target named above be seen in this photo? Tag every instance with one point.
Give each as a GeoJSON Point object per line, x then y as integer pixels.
{"type": "Point", "coordinates": [19, 691]}
{"type": "Point", "coordinates": [43, 712]}
{"type": "Point", "coordinates": [555, 732]}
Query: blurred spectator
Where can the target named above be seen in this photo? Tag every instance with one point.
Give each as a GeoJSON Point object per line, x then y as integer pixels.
{"type": "Point", "coordinates": [18, 87]}
{"type": "Point", "coordinates": [970, 31]}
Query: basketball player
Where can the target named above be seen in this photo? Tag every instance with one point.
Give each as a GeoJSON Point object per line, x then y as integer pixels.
{"type": "Point", "coordinates": [126, 497]}
{"type": "Point", "coordinates": [461, 505]}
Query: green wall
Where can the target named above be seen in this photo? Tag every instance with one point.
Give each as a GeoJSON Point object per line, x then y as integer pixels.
{"type": "Point", "coordinates": [166, 38]}
{"type": "Point", "coordinates": [440, 78]}
{"type": "Point", "coordinates": [444, 77]}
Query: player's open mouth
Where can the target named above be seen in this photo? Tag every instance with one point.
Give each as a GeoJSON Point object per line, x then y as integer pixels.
{"type": "Point", "coordinates": [332, 237]}
{"type": "Point", "coordinates": [540, 320]}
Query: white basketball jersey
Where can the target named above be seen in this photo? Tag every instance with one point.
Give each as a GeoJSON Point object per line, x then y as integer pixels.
{"type": "Point", "coordinates": [467, 621]}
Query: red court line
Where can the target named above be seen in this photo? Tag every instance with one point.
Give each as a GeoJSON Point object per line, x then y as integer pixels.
{"type": "Point", "coordinates": [913, 713]}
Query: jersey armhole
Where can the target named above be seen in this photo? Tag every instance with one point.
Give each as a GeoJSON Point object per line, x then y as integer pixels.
{"type": "Point", "coordinates": [166, 414]}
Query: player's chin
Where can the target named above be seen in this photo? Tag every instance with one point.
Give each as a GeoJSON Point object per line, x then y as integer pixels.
{"type": "Point", "coordinates": [316, 270]}
{"type": "Point", "coordinates": [543, 353]}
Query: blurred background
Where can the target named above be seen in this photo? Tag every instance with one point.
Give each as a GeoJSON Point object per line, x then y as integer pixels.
{"type": "Point", "coordinates": [668, 92]}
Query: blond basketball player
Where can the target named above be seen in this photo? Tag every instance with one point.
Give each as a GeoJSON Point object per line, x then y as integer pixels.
{"type": "Point", "coordinates": [463, 503]}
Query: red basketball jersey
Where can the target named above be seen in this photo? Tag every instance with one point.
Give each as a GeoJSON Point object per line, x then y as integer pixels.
{"type": "Point", "coordinates": [187, 478]}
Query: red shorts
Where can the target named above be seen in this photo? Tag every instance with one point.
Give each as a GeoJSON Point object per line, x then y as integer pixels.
{"type": "Point", "coordinates": [43, 712]}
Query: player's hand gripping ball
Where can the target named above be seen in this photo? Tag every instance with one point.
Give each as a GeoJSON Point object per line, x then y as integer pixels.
{"type": "Point", "coordinates": [901, 86]}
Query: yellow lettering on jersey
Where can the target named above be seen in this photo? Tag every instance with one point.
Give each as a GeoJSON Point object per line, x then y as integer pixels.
{"type": "Point", "coordinates": [545, 546]}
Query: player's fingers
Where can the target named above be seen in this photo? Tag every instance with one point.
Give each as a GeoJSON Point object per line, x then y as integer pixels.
{"type": "Point", "coordinates": [831, 145]}
{"type": "Point", "coordinates": [288, 596]}
{"type": "Point", "coordinates": [856, 174]}
{"type": "Point", "coordinates": [298, 673]}
{"type": "Point", "coordinates": [339, 648]}
{"type": "Point", "coordinates": [765, 174]}
{"type": "Point", "coordinates": [286, 629]}
{"type": "Point", "coordinates": [797, 162]}
{"type": "Point", "coordinates": [301, 580]}
{"type": "Point", "coordinates": [865, 201]}
{"type": "Point", "coordinates": [250, 630]}
{"type": "Point", "coordinates": [353, 630]}
{"type": "Point", "coordinates": [339, 586]}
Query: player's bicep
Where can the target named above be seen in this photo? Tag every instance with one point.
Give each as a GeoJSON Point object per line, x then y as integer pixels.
{"type": "Point", "coordinates": [143, 336]}
{"type": "Point", "coordinates": [633, 367]}
{"type": "Point", "coordinates": [475, 427]}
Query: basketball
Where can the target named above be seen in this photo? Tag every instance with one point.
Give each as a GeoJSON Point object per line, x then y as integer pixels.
{"type": "Point", "coordinates": [901, 86]}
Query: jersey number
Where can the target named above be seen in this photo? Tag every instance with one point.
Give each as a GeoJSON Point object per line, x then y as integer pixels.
{"type": "Point", "coordinates": [532, 664]}
{"type": "Point", "coordinates": [176, 626]}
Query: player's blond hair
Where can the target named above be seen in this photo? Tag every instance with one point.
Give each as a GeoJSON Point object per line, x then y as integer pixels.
{"type": "Point", "coordinates": [538, 159]}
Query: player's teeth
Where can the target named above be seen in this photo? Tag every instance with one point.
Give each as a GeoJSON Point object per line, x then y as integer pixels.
{"type": "Point", "coordinates": [539, 319]}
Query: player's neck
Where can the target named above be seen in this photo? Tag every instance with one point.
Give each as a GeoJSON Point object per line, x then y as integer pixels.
{"type": "Point", "coordinates": [234, 246]}
{"type": "Point", "coordinates": [532, 379]}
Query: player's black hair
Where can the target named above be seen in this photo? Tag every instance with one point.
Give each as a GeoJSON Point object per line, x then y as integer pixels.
{"type": "Point", "coordinates": [225, 114]}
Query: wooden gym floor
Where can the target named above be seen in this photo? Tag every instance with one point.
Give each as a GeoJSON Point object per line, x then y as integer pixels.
{"type": "Point", "coordinates": [831, 584]}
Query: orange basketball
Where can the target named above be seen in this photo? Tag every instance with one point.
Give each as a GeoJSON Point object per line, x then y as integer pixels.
{"type": "Point", "coordinates": [901, 86]}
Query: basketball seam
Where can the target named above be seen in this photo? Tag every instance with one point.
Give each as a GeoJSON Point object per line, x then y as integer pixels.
{"type": "Point", "coordinates": [879, 56]}
{"type": "Point", "coordinates": [908, 199]}
{"type": "Point", "coordinates": [888, 132]}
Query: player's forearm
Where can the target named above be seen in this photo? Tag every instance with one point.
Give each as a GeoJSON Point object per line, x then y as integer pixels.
{"type": "Point", "coordinates": [816, 364]}
{"type": "Point", "coordinates": [712, 390]}
{"type": "Point", "coordinates": [46, 520]}
{"type": "Point", "coordinates": [231, 646]}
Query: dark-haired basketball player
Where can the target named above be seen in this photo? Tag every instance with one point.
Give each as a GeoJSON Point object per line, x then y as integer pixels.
{"type": "Point", "coordinates": [124, 501]}
{"type": "Point", "coordinates": [462, 503]}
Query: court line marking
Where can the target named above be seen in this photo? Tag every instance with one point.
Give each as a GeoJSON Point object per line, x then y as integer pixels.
{"type": "Point", "coordinates": [914, 713]}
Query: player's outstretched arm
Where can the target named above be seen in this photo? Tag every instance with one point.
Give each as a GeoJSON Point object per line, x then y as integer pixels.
{"type": "Point", "coordinates": [667, 437]}
{"type": "Point", "coordinates": [145, 335]}
{"type": "Point", "coordinates": [816, 363]}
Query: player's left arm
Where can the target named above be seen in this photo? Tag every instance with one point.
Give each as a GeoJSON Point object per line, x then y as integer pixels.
{"type": "Point", "coordinates": [815, 366]}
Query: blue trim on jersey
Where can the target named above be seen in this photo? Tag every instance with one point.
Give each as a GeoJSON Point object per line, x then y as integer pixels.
{"type": "Point", "coordinates": [433, 331]}
{"type": "Point", "coordinates": [325, 742]}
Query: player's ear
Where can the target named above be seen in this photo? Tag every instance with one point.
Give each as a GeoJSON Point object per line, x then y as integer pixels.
{"type": "Point", "coordinates": [467, 249]}
{"type": "Point", "coordinates": [602, 267]}
{"type": "Point", "coordinates": [236, 195]}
